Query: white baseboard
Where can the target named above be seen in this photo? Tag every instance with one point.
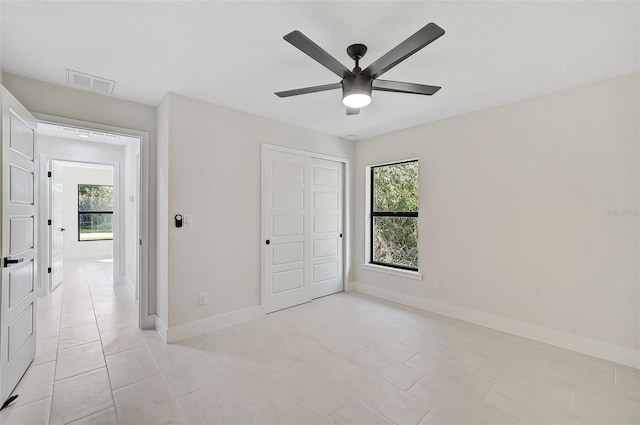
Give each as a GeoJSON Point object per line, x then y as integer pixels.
{"type": "Point", "coordinates": [161, 328]}
{"type": "Point", "coordinates": [148, 322]}
{"type": "Point", "coordinates": [593, 347]}
{"type": "Point", "coordinates": [124, 280]}
{"type": "Point", "coordinates": [199, 327]}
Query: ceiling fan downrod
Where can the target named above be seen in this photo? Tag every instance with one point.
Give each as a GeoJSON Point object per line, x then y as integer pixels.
{"type": "Point", "coordinates": [357, 52]}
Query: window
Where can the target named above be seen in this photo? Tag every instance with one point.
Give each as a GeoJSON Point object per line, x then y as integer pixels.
{"type": "Point", "coordinates": [95, 212]}
{"type": "Point", "coordinates": [394, 215]}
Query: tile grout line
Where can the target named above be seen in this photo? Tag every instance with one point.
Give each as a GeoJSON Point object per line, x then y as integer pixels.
{"type": "Point", "coordinates": [433, 409]}
{"type": "Point", "coordinates": [55, 369]}
{"type": "Point", "coordinates": [573, 394]}
{"type": "Point", "coordinates": [377, 373]}
{"type": "Point", "coordinates": [379, 351]}
{"type": "Point", "coordinates": [379, 412]}
{"type": "Point", "coordinates": [489, 392]}
{"type": "Point", "coordinates": [164, 380]}
{"type": "Point", "coordinates": [283, 388]}
{"type": "Point", "coordinates": [91, 414]}
{"type": "Point", "coordinates": [101, 342]}
{"type": "Point", "coordinates": [104, 358]}
{"type": "Point", "coordinates": [334, 411]}
{"type": "Point", "coordinates": [405, 362]}
{"type": "Point", "coordinates": [409, 389]}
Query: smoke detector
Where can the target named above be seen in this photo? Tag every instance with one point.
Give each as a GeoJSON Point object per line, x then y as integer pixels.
{"type": "Point", "coordinates": [80, 80]}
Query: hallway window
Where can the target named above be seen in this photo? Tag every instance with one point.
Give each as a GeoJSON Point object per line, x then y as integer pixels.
{"type": "Point", "coordinates": [394, 215]}
{"type": "Point", "coordinates": [95, 212]}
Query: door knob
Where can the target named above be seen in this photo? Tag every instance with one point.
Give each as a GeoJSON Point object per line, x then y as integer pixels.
{"type": "Point", "coordinates": [268, 242]}
{"type": "Point", "coordinates": [62, 229]}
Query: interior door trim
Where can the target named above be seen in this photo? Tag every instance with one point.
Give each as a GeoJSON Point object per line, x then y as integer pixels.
{"type": "Point", "coordinates": [147, 317]}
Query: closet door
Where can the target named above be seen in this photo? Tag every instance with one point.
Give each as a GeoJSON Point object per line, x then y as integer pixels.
{"type": "Point", "coordinates": [286, 219]}
{"type": "Point", "coordinates": [326, 233]}
{"type": "Point", "coordinates": [302, 228]}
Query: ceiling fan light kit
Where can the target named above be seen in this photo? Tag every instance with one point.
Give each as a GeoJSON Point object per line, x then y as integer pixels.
{"type": "Point", "coordinates": [357, 85]}
{"type": "Point", "coordinates": [356, 91]}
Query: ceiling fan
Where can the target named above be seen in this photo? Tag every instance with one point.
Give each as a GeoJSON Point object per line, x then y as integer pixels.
{"type": "Point", "coordinates": [357, 84]}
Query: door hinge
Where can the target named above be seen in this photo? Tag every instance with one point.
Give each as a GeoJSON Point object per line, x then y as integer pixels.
{"type": "Point", "coordinates": [48, 173]}
{"type": "Point", "coordinates": [140, 242]}
{"type": "Point", "coordinates": [48, 269]}
{"type": "Point", "coordinates": [48, 222]}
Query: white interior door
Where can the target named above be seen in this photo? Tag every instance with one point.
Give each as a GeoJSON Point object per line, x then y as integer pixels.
{"type": "Point", "coordinates": [57, 224]}
{"type": "Point", "coordinates": [327, 227]}
{"type": "Point", "coordinates": [302, 225]}
{"type": "Point", "coordinates": [19, 260]}
{"type": "Point", "coordinates": [286, 230]}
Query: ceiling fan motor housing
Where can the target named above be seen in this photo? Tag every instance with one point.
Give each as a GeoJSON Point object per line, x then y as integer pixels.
{"type": "Point", "coordinates": [356, 84]}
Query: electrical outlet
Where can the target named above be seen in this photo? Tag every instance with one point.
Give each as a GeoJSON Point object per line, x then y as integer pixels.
{"type": "Point", "coordinates": [437, 285]}
{"type": "Point", "coordinates": [202, 298]}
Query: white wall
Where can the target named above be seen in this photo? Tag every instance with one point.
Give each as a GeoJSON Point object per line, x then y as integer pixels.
{"type": "Point", "coordinates": [513, 216]}
{"type": "Point", "coordinates": [212, 157]}
{"type": "Point", "coordinates": [45, 98]}
{"type": "Point", "coordinates": [74, 249]}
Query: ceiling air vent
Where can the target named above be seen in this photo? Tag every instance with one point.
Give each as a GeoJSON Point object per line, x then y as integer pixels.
{"type": "Point", "coordinates": [89, 82]}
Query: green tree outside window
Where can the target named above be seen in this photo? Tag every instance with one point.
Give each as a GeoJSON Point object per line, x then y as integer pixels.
{"type": "Point", "coordinates": [394, 211]}
{"type": "Point", "coordinates": [95, 212]}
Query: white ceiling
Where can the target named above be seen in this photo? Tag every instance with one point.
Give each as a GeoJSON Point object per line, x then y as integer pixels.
{"type": "Point", "coordinates": [233, 54]}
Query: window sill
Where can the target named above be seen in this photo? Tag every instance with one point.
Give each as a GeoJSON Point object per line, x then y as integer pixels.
{"type": "Point", "coordinates": [395, 272]}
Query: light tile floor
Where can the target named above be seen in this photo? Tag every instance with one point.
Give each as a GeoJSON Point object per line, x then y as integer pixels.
{"type": "Point", "coordinates": [343, 359]}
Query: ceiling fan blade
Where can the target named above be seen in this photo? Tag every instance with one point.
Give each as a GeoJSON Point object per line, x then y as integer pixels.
{"type": "Point", "coordinates": [302, 42]}
{"type": "Point", "coordinates": [400, 87]}
{"type": "Point", "coordinates": [353, 111]}
{"type": "Point", "coordinates": [306, 90]}
{"type": "Point", "coordinates": [417, 41]}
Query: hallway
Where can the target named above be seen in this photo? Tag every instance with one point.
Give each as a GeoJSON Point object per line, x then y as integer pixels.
{"type": "Point", "coordinates": [82, 327]}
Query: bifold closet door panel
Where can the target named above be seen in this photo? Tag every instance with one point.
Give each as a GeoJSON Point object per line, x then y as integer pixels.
{"type": "Point", "coordinates": [286, 230]}
{"type": "Point", "coordinates": [326, 234]}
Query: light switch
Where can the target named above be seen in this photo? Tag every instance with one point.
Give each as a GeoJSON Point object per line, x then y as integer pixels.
{"type": "Point", "coordinates": [188, 220]}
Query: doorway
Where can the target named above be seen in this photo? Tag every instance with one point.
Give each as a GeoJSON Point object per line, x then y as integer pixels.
{"type": "Point", "coordinates": [90, 197]}
{"type": "Point", "coordinates": [84, 216]}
